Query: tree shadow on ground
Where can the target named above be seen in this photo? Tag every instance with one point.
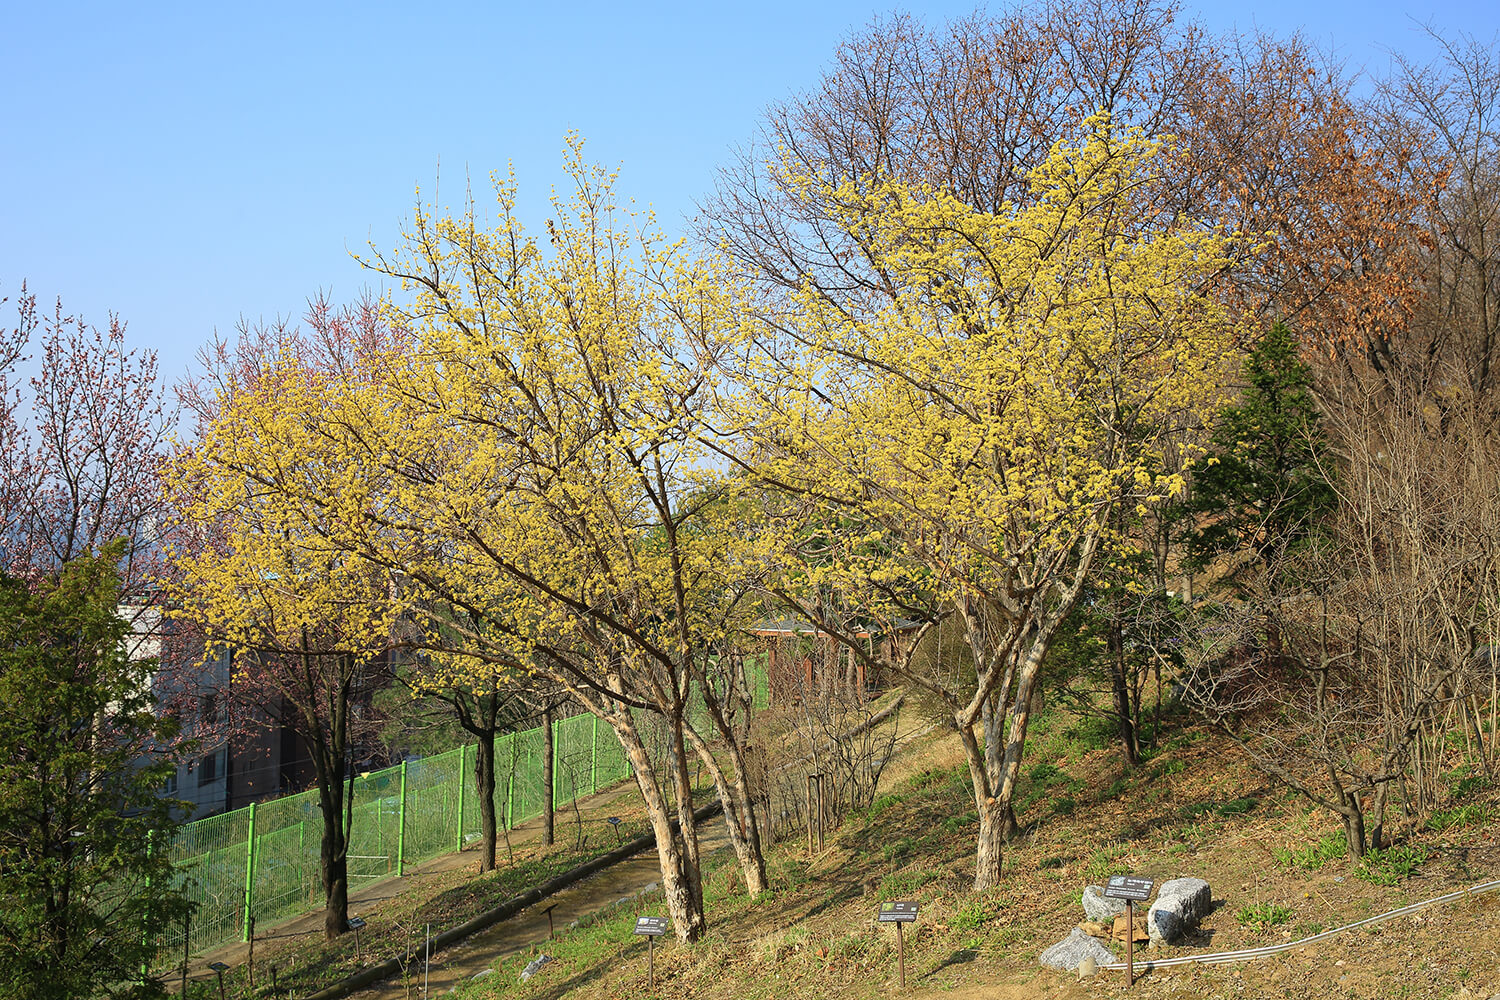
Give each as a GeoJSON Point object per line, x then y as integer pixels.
{"type": "Point", "coordinates": [960, 957]}
{"type": "Point", "coordinates": [849, 892]}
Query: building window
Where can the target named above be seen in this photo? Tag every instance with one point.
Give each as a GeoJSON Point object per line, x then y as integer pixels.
{"type": "Point", "coordinates": [208, 769]}
{"type": "Point", "coordinates": [208, 709]}
{"type": "Point", "coordinates": [171, 786]}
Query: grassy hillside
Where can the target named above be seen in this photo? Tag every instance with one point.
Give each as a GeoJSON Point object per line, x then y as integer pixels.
{"type": "Point", "coordinates": [1277, 870]}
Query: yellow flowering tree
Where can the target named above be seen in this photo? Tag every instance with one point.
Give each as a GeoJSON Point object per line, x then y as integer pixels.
{"type": "Point", "coordinates": [980, 417]}
{"type": "Point", "coordinates": [267, 576]}
{"type": "Point", "coordinates": [553, 486]}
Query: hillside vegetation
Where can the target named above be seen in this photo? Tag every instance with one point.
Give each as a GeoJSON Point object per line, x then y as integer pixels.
{"type": "Point", "coordinates": [1278, 871]}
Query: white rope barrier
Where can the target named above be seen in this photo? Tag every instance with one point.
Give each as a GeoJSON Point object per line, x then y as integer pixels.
{"type": "Point", "coordinates": [1247, 954]}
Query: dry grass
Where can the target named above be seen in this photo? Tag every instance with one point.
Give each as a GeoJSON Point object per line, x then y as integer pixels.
{"type": "Point", "coordinates": [1191, 810]}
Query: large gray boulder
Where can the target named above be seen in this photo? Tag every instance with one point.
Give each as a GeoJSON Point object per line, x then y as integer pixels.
{"type": "Point", "coordinates": [1099, 908]}
{"type": "Point", "coordinates": [1071, 950]}
{"type": "Point", "coordinates": [1180, 904]}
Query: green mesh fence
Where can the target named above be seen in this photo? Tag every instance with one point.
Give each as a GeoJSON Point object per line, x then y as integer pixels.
{"type": "Point", "coordinates": [402, 815]}
{"type": "Point", "coordinates": [263, 861]}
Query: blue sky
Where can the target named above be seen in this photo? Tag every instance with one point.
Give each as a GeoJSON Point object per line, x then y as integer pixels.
{"type": "Point", "coordinates": [187, 165]}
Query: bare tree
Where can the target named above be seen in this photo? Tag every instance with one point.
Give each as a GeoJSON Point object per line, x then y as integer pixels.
{"type": "Point", "coordinates": [1382, 629]}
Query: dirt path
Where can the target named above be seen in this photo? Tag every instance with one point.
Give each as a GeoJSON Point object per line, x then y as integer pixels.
{"type": "Point", "coordinates": [529, 928]}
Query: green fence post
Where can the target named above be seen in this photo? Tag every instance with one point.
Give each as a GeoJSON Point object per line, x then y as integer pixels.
{"type": "Point", "coordinates": [401, 826]}
{"type": "Point", "coordinates": [594, 757]}
{"type": "Point", "coordinates": [463, 759]}
{"type": "Point", "coordinates": [249, 874]}
{"type": "Point", "coordinates": [145, 930]}
{"type": "Point", "coordinates": [302, 859]}
{"type": "Point", "coordinates": [510, 797]}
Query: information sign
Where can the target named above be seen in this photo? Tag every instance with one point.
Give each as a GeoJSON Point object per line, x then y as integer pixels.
{"type": "Point", "coordinates": [899, 911]}
{"type": "Point", "coordinates": [1133, 890]}
{"type": "Point", "coordinates": [1129, 887]}
{"type": "Point", "coordinates": [653, 926]}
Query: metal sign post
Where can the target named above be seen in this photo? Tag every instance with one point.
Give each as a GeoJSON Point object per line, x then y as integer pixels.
{"type": "Point", "coordinates": [614, 821]}
{"type": "Point", "coordinates": [187, 947]}
{"type": "Point", "coordinates": [822, 810]}
{"type": "Point", "coordinates": [551, 931]}
{"type": "Point", "coordinates": [898, 912]}
{"type": "Point", "coordinates": [1132, 890]}
{"type": "Point", "coordinates": [812, 798]}
{"type": "Point", "coordinates": [651, 928]}
{"type": "Point", "coordinates": [219, 969]}
{"type": "Point", "coordinates": [355, 923]}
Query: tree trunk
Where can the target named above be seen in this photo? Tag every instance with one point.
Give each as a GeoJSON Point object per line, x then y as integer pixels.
{"type": "Point", "coordinates": [334, 858]}
{"type": "Point", "coordinates": [990, 848]}
{"type": "Point", "coordinates": [1124, 710]}
{"type": "Point", "coordinates": [686, 821]}
{"type": "Point", "coordinates": [549, 818]}
{"type": "Point", "coordinates": [1377, 830]}
{"type": "Point", "coordinates": [484, 787]}
{"type": "Point", "coordinates": [681, 892]}
{"type": "Point", "coordinates": [336, 882]}
{"type": "Point", "coordinates": [739, 815]}
{"type": "Point", "coordinates": [1353, 815]}
{"type": "Point", "coordinates": [993, 771]}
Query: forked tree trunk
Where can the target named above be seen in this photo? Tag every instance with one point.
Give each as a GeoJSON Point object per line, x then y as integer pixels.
{"type": "Point", "coordinates": [733, 785]}
{"type": "Point", "coordinates": [995, 765]}
{"type": "Point", "coordinates": [1354, 823]}
{"type": "Point", "coordinates": [681, 889]}
{"type": "Point", "coordinates": [739, 815]}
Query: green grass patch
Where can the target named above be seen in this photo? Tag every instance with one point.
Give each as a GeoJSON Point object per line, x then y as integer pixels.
{"type": "Point", "coordinates": [900, 849]}
{"type": "Point", "coordinates": [976, 912]}
{"type": "Point", "coordinates": [1166, 768]}
{"type": "Point", "coordinates": [1466, 785]}
{"type": "Point", "coordinates": [1091, 732]}
{"type": "Point", "coordinates": [1102, 863]}
{"type": "Point", "coordinates": [957, 824]}
{"type": "Point", "coordinates": [1260, 916]}
{"type": "Point", "coordinates": [906, 882]}
{"type": "Point", "coordinates": [1459, 816]}
{"type": "Point", "coordinates": [1045, 774]}
{"type": "Point", "coordinates": [1390, 866]}
{"type": "Point", "coordinates": [1331, 847]}
{"type": "Point", "coordinates": [1193, 810]}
